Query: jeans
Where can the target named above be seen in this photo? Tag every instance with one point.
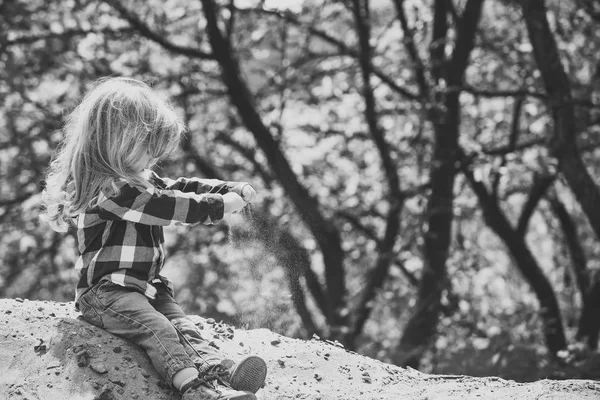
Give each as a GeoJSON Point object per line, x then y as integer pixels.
{"type": "Point", "coordinates": [159, 326]}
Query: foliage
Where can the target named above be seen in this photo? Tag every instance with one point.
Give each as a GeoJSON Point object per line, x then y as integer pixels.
{"type": "Point", "coordinates": [303, 68]}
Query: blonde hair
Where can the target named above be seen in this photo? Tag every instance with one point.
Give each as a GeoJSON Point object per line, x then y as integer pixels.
{"type": "Point", "coordinates": [119, 121]}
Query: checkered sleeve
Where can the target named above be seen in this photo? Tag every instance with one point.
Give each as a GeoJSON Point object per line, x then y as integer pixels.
{"type": "Point", "coordinates": [198, 185]}
{"type": "Point", "coordinates": [153, 206]}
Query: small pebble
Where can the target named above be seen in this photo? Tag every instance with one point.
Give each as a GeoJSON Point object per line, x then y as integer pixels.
{"type": "Point", "coordinates": [53, 364]}
{"type": "Point", "coordinates": [118, 382]}
{"type": "Point", "coordinates": [99, 368]}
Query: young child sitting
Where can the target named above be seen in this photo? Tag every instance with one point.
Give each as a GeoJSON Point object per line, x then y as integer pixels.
{"type": "Point", "coordinates": [100, 181]}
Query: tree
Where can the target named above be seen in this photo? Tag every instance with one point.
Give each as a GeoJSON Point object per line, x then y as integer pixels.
{"type": "Point", "coordinates": [384, 138]}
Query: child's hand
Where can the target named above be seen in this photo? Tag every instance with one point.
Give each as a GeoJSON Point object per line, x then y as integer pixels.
{"type": "Point", "coordinates": [248, 193]}
{"type": "Point", "coordinates": [232, 202]}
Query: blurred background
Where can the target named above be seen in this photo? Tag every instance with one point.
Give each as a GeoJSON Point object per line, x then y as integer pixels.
{"type": "Point", "coordinates": [427, 170]}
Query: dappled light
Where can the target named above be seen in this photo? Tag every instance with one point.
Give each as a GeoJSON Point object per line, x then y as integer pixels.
{"type": "Point", "coordinates": [427, 172]}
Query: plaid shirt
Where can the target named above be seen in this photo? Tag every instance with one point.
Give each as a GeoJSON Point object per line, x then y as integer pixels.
{"type": "Point", "coordinates": [121, 239]}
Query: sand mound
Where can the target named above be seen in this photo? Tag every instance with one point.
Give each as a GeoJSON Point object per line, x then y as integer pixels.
{"type": "Point", "coordinates": [48, 353]}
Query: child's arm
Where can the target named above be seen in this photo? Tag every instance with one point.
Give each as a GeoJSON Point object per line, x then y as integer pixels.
{"type": "Point", "coordinates": [166, 207]}
{"type": "Point", "coordinates": [200, 186]}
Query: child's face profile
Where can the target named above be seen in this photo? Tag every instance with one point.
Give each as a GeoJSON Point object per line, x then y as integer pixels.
{"type": "Point", "coordinates": [143, 162]}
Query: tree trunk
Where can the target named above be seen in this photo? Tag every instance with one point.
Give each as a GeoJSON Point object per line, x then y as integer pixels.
{"type": "Point", "coordinates": [422, 326]}
{"type": "Point", "coordinates": [588, 328]}
{"type": "Point", "coordinates": [326, 234]}
{"type": "Point", "coordinates": [288, 251]}
{"type": "Point", "coordinates": [562, 143]}
{"type": "Point", "coordinates": [525, 262]}
{"type": "Point", "coordinates": [589, 323]}
{"type": "Point", "coordinates": [376, 277]}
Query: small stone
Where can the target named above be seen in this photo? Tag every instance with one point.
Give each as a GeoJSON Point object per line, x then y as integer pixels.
{"type": "Point", "coordinates": [281, 363]}
{"type": "Point", "coordinates": [78, 348]}
{"type": "Point", "coordinates": [83, 359]}
{"type": "Point", "coordinates": [366, 377]}
{"type": "Point", "coordinates": [210, 321]}
{"type": "Point", "coordinates": [40, 348]}
{"type": "Point", "coordinates": [106, 393]}
{"type": "Point", "coordinates": [318, 377]}
{"type": "Point", "coordinates": [275, 342]}
{"type": "Point", "coordinates": [99, 368]}
{"type": "Point", "coordinates": [117, 382]}
{"type": "Point", "coordinates": [162, 385]}
{"type": "Point", "coordinates": [18, 299]}
{"type": "Point", "coordinates": [53, 364]}
{"type": "Point", "coordinates": [118, 349]}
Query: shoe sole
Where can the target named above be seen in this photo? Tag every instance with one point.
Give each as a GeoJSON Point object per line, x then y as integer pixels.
{"type": "Point", "coordinates": [245, 396]}
{"type": "Point", "coordinates": [249, 374]}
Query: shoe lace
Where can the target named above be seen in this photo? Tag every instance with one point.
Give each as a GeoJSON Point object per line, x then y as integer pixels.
{"type": "Point", "coordinates": [212, 375]}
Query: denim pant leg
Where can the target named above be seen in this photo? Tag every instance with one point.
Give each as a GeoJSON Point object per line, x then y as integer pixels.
{"type": "Point", "coordinates": [197, 347]}
{"type": "Point", "coordinates": [129, 314]}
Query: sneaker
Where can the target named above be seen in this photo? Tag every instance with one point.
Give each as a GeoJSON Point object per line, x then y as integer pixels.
{"type": "Point", "coordinates": [247, 375]}
{"type": "Point", "coordinates": [209, 388]}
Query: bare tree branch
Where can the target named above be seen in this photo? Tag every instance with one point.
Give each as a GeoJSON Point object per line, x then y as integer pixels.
{"type": "Point", "coordinates": [512, 141]}
{"type": "Point", "coordinates": [502, 93]}
{"type": "Point", "coordinates": [326, 234]}
{"type": "Point", "coordinates": [379, 272]}
{"type": "Point", "coordinates": [409, 43]}
{"type": "Point", "coordinates": [67, 34]}
{"type": "Point", "coordinates": [523, 258]}
{"type": "Point", "coordinates": [156, 37]}
{"type": "Point", "coordinates": [358, 226]}
{"type": "Point", "coordinates": [524, 145]}
{"type": "Point", "coordinates": [248, 155]}
{"type": "Point", "coordinates": [576, 252]}
{"type": "Point", "coordinates": [541, 184]}
{"type": "Point", "coordinates": [340, 45]}
{"type": "Point", "coordinates": [562, 139]}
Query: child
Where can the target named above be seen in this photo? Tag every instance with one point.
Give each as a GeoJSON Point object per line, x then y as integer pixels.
{"type": "Point", "coordinates": [100, 182]}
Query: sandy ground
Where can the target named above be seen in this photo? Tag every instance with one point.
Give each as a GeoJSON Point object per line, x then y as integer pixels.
{"type": "Point", "coordinates": [46, 353]}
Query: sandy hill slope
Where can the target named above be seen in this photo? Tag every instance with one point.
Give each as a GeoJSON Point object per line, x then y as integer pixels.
{"type": "Point", "coordinates": [47, 353]}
